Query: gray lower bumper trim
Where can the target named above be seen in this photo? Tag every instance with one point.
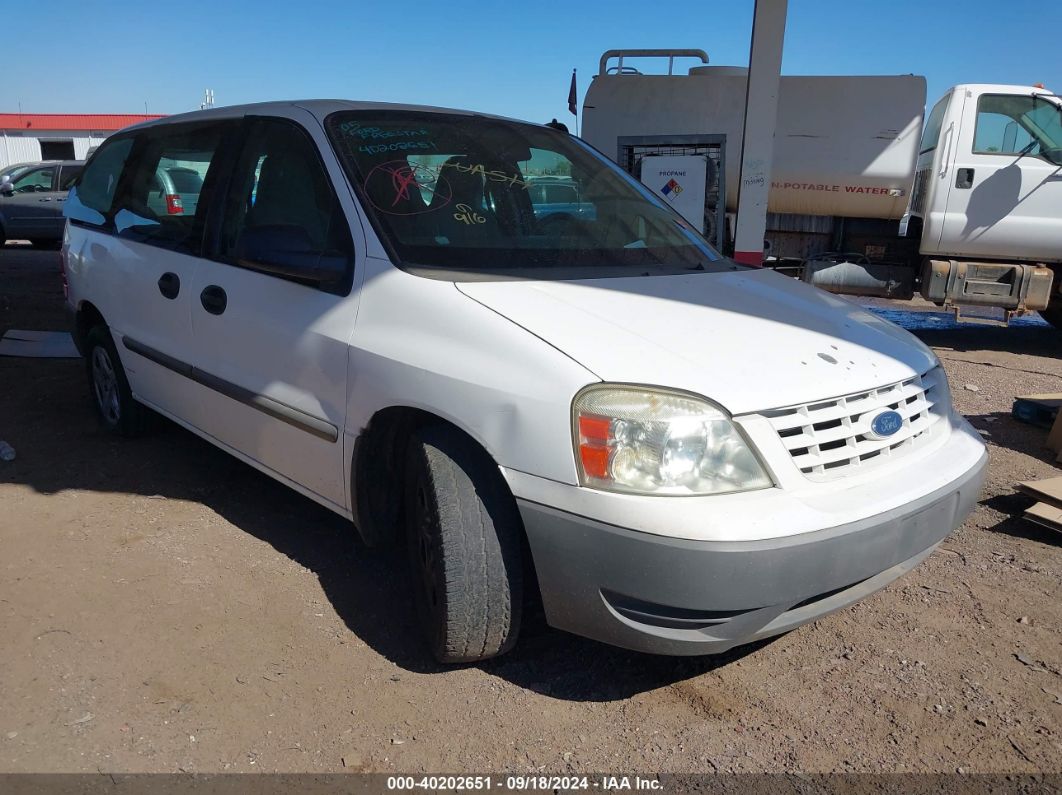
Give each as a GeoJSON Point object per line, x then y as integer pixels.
{"type": "Point", "coordinates": [600, 580]}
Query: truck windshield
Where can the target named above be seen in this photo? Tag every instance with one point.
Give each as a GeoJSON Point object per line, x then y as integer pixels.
{"type": "Point", "coordinates": [464, 192]}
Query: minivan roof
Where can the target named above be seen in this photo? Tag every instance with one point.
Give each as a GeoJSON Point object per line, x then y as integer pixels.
{"type": "Point", "coordinates": [318, 107]}
{"type": "Point", "coordinates": [34, 163]}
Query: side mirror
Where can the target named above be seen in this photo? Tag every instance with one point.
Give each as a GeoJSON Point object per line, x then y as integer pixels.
{"type": "Point", "coordinates": [1053, 155]}
{"type": "Point", "coordinates": [287, 250]}
{"type": "Point", "coordinates": [6, 186]}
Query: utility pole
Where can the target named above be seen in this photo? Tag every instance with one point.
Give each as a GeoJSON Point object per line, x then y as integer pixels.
{"type": "Point", "coordinates": [757, 140]}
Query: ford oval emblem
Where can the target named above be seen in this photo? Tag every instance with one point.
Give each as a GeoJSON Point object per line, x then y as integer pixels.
{"type": "Point", "coordinates": [885, 424]}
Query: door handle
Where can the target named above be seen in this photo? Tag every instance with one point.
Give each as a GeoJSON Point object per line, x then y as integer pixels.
{"type": "Point", "coordinates": [169, 285]}
{"type": "Point", "coordinates": [60, 200]}
{"type": "Point", "coordinates": [44, 200]}
{"type": "Point", "coordinates": [964, 178]}
{"type": "Point", "coordinates": [213, 299]}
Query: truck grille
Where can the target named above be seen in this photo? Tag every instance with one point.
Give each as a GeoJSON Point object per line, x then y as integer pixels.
{"type": "Point", "coordinates": [830, 439]}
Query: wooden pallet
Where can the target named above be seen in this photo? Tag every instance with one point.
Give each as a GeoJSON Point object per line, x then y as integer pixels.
{"type": "Point", "coordinates": [1037, 409]}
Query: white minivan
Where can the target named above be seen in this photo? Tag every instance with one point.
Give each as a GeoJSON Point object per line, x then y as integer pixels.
{"type": "Point", "coordinates": [679, 453]}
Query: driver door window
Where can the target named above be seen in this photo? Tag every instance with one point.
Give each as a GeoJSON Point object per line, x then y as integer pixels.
{"type": "Point", "coordinates": [1016, 125]}
{"type": "Point", "coordinates": [280, 187]}
{"type": "Point", "coordinates": [37, 180]}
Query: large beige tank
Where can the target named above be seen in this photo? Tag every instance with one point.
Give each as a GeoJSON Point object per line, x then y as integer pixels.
{"type": "Point", "coordinates": [844, 146]}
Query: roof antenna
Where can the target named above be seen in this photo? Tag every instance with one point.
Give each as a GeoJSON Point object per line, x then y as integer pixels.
{"type": "Point", "coordinates": [208, 99]}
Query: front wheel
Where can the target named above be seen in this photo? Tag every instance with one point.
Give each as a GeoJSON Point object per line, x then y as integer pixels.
{"type": "Point", "coordinates": [463, 536]}
{"type": "Point", "coordinates": [118, 410]}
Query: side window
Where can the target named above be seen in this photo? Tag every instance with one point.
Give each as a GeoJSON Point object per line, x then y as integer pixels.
{"type": "Point", "coordinates": [90, 201]}
{"type": "Point", "coordinates": [1001, 125]}
{"type": "Point", "coordinates": [160, 201]}
{"type": "Point", "coordinates": [35, 180]}
{"type": "Point", "coordinates": [68, 175]}
{"type": "Point", "coordinates": [931, 134]}
{"type": "Point", "coordinates": [281, 212]}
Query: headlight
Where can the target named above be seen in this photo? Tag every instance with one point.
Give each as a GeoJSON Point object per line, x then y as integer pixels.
{"type": "Point", "coordinates": [650, 441]}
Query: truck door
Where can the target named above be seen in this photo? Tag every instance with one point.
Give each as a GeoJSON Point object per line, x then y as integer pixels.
{"type": "Point", "coordinates": [1004, 185]}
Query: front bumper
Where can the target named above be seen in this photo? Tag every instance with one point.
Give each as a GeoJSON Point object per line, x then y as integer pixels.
{"type": "Point", "coordinates": [676, 596]}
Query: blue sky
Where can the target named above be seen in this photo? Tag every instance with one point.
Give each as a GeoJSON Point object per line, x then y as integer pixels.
{"type": "Point", "coordinates": [513, 58]}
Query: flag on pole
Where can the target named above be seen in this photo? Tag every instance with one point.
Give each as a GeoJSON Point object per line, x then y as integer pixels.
{"type": "Point", "coordinates": [573, 100]}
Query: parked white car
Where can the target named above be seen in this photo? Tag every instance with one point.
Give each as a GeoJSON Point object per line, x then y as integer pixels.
{"type": "Point", "coordinates": [686, 454]}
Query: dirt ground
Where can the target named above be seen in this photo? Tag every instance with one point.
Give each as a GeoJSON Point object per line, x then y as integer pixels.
{"type": "Point", "coordinates": [164, 607]}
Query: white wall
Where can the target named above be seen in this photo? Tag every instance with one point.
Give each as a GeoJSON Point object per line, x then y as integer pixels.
{"type": "Point", "coordinates": [20, 147]}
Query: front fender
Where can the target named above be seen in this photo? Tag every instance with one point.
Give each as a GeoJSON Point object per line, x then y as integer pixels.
{"type": "Point", "coordinates": [421, 343]}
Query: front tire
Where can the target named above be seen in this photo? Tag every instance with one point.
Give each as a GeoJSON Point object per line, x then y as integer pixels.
{"type": "Point", "coordinates": [118, 410]}
{"type": "Point", "coordinates": [463, 537]}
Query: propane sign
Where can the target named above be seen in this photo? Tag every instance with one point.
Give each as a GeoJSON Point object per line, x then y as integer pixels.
{"type": "Point", "coordinates": [681, 181]}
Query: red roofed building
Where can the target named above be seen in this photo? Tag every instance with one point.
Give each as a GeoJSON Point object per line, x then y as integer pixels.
{"type": "Point", "coordinates": [26, 137]}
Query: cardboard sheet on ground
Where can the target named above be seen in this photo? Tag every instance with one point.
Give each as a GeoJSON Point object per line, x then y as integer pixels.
{"type": "Point", "coordinates": [1046, 515]}
{"type": "Point", "coordinates": [1049, 491]}
{"type": "Point", "coordinates": [38, 344]}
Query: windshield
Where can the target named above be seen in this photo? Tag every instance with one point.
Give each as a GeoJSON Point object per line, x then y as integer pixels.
{"type": "Point", "coordinates": [463, 192]}
{"type": "Point", "coordinates": [12, 172]}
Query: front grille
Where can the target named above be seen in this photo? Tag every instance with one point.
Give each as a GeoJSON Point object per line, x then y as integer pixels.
{"type": "Point", "coordinates": [830, 439]}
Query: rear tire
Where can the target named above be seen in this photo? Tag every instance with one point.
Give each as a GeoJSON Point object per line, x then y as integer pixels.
{"type": "Point", "coordinates": [118, 410]}
{"type": "Point", "coordinates": [1053, 314]}
{"type": "Point", "coordinates": [463, 536]}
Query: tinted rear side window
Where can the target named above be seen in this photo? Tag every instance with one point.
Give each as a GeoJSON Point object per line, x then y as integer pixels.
{"type": "Point", "coordinates": [150, 207]}
{"type": "Point", "coordinates": [94, 192]}
{"type": "Point", "coordinates": [185, 180]}
{"type": "Point", "coordinates": [68, 176]}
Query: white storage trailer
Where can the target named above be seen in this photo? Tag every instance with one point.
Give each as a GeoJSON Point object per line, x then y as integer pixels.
{"type": "Point", "coordinates": [982, 224]}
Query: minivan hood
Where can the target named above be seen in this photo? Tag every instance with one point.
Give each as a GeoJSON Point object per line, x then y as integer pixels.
{"type": "Point", "coordinates": [749, 340]}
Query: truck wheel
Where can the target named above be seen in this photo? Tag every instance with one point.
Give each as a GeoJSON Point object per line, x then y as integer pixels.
{"type": "Point", "coordinates": [1053, 315]}
{"type": "Point", "coordinates": [463, 537]}
{"type": "Point", "coordinates": [117, 408]}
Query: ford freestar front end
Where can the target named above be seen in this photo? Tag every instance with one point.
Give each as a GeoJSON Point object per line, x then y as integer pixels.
{"type": "Point", "coordinates": [477, 337]}
{"type": "Point", "coordinates": [700, 525]}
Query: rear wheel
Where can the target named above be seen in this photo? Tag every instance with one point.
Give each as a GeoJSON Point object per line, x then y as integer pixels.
{"type": "Point", "coordinates": [118, 410]}
{"type": "Point", "coordinates": [463, 538]}
{"type": "Point", "coordinates": [1053, 314]}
